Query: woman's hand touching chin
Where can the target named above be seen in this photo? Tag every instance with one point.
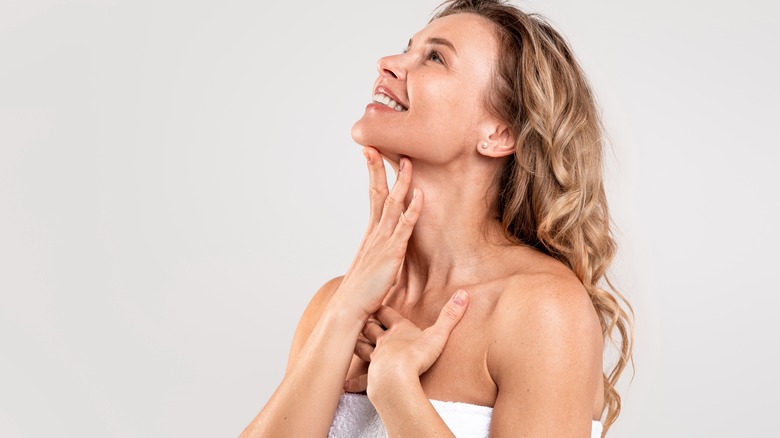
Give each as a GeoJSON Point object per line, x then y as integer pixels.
{"type": "Point", "coordinates": [398, 351]}
{"type": "Point", "coordinates": [382, 251]}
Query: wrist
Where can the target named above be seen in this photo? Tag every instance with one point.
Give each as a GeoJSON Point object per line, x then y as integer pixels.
{"type": "Point", "coordinates": [345, 305]}
{"type": "Point", "coordinates": [388, 385]}
{"type": "Point", "coordinates": [338, 315]}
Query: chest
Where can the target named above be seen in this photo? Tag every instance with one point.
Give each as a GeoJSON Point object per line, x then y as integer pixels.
{"type": "Point", "coordinates": [460, 373]}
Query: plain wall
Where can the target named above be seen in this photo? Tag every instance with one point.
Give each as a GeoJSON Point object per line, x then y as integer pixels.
{"type": "Point", "coordinates": [177, 178]}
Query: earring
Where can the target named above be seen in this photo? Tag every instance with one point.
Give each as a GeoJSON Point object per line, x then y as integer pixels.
{"type": "Point", "coordinates": [484, 145]}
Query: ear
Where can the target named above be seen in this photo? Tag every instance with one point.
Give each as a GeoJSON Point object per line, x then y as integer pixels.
{"type": "Point", "coordinates": [496, 141]}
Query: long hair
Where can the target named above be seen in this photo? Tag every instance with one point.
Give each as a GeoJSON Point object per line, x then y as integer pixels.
{"type": "Point", "coordinates": [551, 193]}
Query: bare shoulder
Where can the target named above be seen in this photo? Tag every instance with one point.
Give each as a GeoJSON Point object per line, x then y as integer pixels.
{"type": "Point", "coordinates": [545, 352]}
{"type": "Point", "coordinates": [552, 292]}
{"type": "Point", "coordinates": [542, 311]}
{"type": "Point", "coordinates": [312, 315]}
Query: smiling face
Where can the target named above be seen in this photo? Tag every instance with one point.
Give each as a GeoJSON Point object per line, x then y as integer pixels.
{"type": "Point", "coordinates": [439, 85]}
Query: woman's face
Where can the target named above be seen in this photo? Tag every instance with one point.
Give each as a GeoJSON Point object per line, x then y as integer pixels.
{"type": "Point", "coordinates": [439, 85]}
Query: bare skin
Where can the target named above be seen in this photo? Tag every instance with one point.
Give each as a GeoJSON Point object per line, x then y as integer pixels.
{"type": "Point", "coordinates": [522, 337]}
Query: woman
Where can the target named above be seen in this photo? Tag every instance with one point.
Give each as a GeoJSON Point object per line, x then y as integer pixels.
{"type": "Point", "coordinates": [477, 281]}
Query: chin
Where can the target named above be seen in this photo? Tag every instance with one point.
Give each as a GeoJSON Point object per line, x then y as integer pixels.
{"type": "Point", "coordinates": [378, 139]}
{"type": "Point", "coordinates": [359, 134]}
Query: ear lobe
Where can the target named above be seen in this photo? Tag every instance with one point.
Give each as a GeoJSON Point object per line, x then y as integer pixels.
{"type": "Point", "coordinates": [500, 143]}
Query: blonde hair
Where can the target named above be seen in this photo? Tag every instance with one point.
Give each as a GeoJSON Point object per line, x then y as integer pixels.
{"type": "Point", "coordinates": [551, 193]}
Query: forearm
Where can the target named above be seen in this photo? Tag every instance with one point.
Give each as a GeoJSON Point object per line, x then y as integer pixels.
{"type": "Point", "coordinates": [306, 399]}
{"type": "Point", "coordinates": [405, 409]}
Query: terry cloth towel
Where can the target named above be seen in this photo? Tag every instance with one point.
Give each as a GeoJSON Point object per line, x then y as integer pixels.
{"type": "Point", "coordinates": [356, 418]}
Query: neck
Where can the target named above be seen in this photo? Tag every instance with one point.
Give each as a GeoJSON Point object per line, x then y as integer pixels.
{"type": "Point", "coordinates": [456, 235]}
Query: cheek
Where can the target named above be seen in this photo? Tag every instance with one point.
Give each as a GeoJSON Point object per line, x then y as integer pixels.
{"type": "Point", "coordinates": [441, 102]}
{"type": "Point", "coordinates": [452, 109]}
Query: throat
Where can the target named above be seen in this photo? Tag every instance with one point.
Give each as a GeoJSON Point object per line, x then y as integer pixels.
{"type": "Point", "coordinates": [456, 237]}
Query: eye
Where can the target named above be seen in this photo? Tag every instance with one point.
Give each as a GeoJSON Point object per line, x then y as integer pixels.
{"type": "Point", "coordinates": [435, 57]}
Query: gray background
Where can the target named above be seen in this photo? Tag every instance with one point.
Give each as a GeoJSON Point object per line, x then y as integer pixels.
{"type": "Point", "coordinates": [177, 178]}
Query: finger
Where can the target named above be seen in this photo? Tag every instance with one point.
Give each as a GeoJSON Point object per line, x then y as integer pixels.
{"type": "Point", "coordinates": [398, 273]}
{"type": "Point", "coordinates": [408, 219]}
{"type": "Point", "coordinates": [449, 316]}
{"type": "Point", "coordinates": [388, 316]}
{"type": "Point", "coordinates": [372, 331]}
{"type": "Point", "coordinates": [356, 384]}
{"type": "Point", "coordinates": [394, 202]}
{"type": "Point", "coordinates": [363, 350]}
{"type": "Point", "coordinates": [377, 183]}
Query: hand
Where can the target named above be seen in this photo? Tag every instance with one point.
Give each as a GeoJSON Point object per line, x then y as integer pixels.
{"type": "Point", "coordinates": [382, 251]}
{"type": "Point", "coordinates": [393, 344]}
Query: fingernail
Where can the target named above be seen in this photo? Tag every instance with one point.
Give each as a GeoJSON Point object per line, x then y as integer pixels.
{"type": "Point", "coordinates": [460, 297]}
{"type": "Point", "coordinates": [402, 165]}
{"type": "Point", "coordinates": [365, 154]}
{"type": "Point", "coordinates": [414, 194]}
{"type": "Point", "coordinates": [346, 385]}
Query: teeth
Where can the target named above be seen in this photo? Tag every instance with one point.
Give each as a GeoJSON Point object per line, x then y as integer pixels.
{"type": "Point", "coordinates": [387, 101]}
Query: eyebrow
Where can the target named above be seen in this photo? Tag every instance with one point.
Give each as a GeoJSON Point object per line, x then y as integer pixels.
{"type": "Point", "coordinates": [436, 41]}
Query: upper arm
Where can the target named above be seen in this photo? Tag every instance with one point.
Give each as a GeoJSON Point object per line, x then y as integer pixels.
{"type": "Point", "coordinates": [311, 316]}
{"type": "Point", "coordinates": [545, 358]}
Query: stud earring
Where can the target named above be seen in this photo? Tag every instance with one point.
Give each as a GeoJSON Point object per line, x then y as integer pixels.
{"type": "Point", "coordinates": [484, 145]}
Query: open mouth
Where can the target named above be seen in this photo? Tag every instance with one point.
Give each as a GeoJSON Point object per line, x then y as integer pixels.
{"type": "Point", "coordinates": [387, 101]}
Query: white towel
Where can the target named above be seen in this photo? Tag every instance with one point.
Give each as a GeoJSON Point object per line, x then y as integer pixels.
{"type": "Point", "coordinates": [357, 418]}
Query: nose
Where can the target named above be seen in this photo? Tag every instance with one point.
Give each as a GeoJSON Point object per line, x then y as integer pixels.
{"type": "Point", "coordinates": [391, 67]}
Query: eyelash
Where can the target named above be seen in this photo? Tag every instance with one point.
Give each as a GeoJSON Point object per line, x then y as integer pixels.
{"type": "Point", "coordinates": [438, 56]}
{"type": "Point", "coordinates": [431, 53]}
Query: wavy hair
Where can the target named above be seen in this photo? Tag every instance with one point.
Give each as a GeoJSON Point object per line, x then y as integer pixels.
{"type": "Point", "coordinates": [551, 192]}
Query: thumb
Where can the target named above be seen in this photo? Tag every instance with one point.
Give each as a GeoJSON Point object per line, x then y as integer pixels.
{"type": "Point", "coordinates": [450, 315]}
